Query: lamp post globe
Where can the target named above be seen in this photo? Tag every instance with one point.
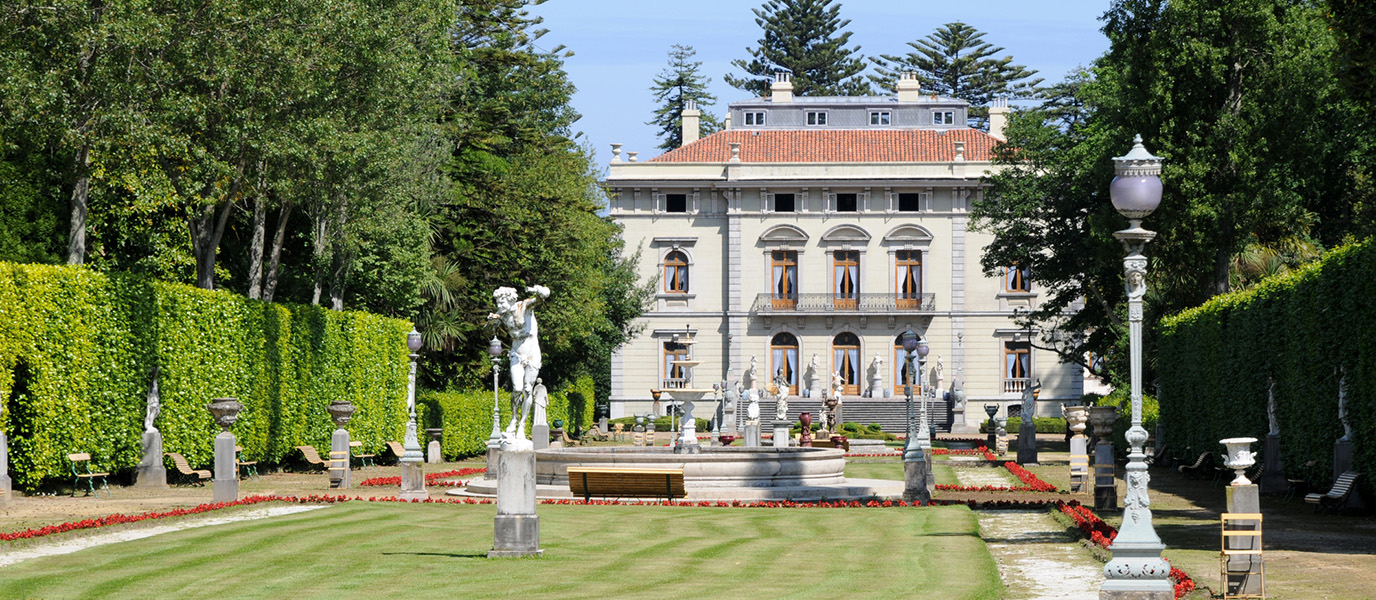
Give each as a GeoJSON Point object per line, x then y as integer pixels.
{"type": "Point", "coordinates": [1137, 570]}
{"type": "Point", "coordinates": [494, 350]}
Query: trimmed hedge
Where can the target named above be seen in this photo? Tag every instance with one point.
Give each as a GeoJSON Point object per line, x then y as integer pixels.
{"type": "Point", "coordinates": [1296, 330]}
{"type": "Point", "coordinates": [1043, 425]}
{"type": "Point", "coordinates": [77, 350]}
{"type": "Point", "coordinates": [467, 416]}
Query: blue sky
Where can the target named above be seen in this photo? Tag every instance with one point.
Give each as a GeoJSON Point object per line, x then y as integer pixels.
{"type": "Point", "coordinates": [621, 45]}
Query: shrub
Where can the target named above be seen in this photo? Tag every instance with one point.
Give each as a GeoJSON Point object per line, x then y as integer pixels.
{"type": "Point", "coordinates": [77, 349]}
{"type": "Point", "coordinates": [467, 416]}
{"type": "Point", "coordinates": [1043, 424]}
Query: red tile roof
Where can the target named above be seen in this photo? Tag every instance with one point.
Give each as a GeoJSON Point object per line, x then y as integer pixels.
{"type": "Point", "coordinates": [837, 145]}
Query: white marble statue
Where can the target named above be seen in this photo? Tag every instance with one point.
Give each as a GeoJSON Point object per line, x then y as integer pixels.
{"type": "Point", "coordinates": [750, 380]}
{"type": "Point", "coordinates": [837, 385]}
{"type": "Point", "coordinates": [752, 407]}
{"type": "Point", "coordinates": [518, 317]}
{"type": "Point", "coordinates": [875, 376]}
{"type": "Point", "coordinates": [154, 405]}
{"type": "Point", "coordinates": [813, 372]}
{"type": "Point", "coordinates": [782, 388]}
{"type": "Point", "coordinates": [540, 401]}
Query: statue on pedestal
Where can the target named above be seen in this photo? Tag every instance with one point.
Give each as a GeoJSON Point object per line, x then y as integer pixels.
{"type": "Point", "coordinates": [518, 317]}
{"type": "Point", "coordinates": [1029, 407]}
{"type": "Point", "coordinates": [1342, 406]}
{"type": "Point", "coordinates": [750, 380]}
{"type": "Point", "coordinates": [811, 375]}
{"type": "Point", "coordinates": [782, 385]}
{"type": "Point", "coordinates": [540, 402]}
{"type": "Point", "coordinates": [875, 375]}
{"type": "Point", "coordinates": [154, 405]}
{"type": "Point", "coordinates": [837, 385]}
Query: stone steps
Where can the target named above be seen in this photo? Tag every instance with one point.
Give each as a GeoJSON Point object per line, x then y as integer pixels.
{"type": "Point", "coordinates": [889, 413]}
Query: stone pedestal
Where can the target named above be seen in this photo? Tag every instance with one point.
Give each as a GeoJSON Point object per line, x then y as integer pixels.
{"type": "Point", "coordinates": [434, 452]}
{"type": "Point", "coordinates": [992, 441]}
{"type": "Point", "coordinates": [1273, 473]}
{"type": "Point", "coordinates": [958, 424]}
{"type": "Point", "coordinates": [226, 481]}
{"type": "Point", "coordinates": [780, 433]}
{"type": "Point", "coordinates": [602, 426]}
{"type": "Point", "coordinates": [1079, 467]}
{"type": "Point", "coordinates": [814, 389]}
{"type": "Point", "coordinates": [1105, 479]}
{"type": "Point", "coordinates": [491, 472]}
{"type": "Point", "coordinates": [916, 487]}
{"type": "Point", "coordinates": [752, 435]}
{"type": "Point", "coordinates": [413, 480]}
{"type": "Point", "coordinates": [7, 486]}
{"type": "Point", "coordinates": [1027, 444]}
{"type": "Point", "coordinates": [516, 528]}
{"type": "Point", "coordinates": [539, 434]}
{"type": "Point", "coordinates": [1242, 579]}
{"type": "Point", "coordinates": [1342, 457]}
{"type": "Point", "coordinates": [151, 473]}
{"type": "Point", "coordinates": [339, 446]}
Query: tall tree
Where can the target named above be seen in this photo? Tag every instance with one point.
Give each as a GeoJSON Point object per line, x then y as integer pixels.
{"type": "Point", "coordinates": [806, 37]}
{"type": "Point", "coordinates": [678, 83]}
{"type": "Point", "coordinates": [956, 61]}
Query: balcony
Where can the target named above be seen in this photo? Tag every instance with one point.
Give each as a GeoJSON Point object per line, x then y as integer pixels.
{"type": "Point", "coordinates": [1015, 385]}
{"type": "Point", "coordinates": [831, 304]}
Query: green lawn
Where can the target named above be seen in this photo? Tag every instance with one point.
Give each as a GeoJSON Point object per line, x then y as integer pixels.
{"type": "Point", "coordinates": [378, 551]}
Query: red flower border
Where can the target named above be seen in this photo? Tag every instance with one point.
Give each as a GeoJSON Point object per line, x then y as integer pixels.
{"type": "Point", "coordinates": [430, 478]}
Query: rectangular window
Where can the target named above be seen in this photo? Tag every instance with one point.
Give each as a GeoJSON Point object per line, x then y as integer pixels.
{"type": "Point", "coordinates": [754, 118]}
{"type": "Point", "coordinates": [880, 118]}
{"type": "Point", "coordinates": [785, 203]}
{"type": "Point", "coordinates": [675, 375]}
{"type": "Point", "coordinates": [909, 202]}
{"type": "Point", "coordinates": [1017, 279]}
{"type": "Point", "coordinates": [847, 203]}
{"type": "Point", "coordinates": [908, 264]}
{"type": "Point", "coordinates": [816, 118]}
{"type": "Point", "coordinates": [943, 117]}
{"type": "Point", "coordinates": [1017, 366]}
{"type": "Point", "coordinates": [676, 203]}
{"type": "Point", "coordinates": [784, 278]}
{"type": "Point", "coordinates": [846, 279]}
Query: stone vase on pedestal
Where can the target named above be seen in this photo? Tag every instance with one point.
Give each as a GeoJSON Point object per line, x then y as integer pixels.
{"type": "Point", "coordinates": [151, 472]}
{"type": "Point", "coordinates": [1239, 458]}
{"type": "Point", "coordinates": [1076, 417]}
{"type": "Point", "coordinates": [1105, 476]}
{"type": "Point", "coordinates": [226, 479]}
{"type": "Point", "coordinates": [1241, 570]}
{"type": "Point", "coordinates": [341, 412]}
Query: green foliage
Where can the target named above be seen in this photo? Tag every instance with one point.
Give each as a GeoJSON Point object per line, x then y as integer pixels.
{"type": "Point", "coordinates": [1043, 425]}
{"type": "Point", "coordinates": [466, 416]}
{"type": "Point", "coordinates": [78, 348]}
{"type": "Point", "coordinates": [678, 83]}
{"type": "Point", "coordinates": [808, 38]}
{"type": "Point", "coordinates": [1122, 400]}
{"type": "Point", "coordinates": [1303, 332]}
{"type": "Point", "coordinates": [955, 61]}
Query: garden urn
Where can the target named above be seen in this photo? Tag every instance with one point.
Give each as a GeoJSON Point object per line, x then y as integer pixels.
{"type": "Point", "coordinates": [1103, 417]}
{"type": "Point", "coordinates": [225, 411]}
{"type": "Point", "coordinates": [341, 411]}
{"type": "Point", "coordinates": [1239, 457]}
{"type": "Point", "coordinates": [1075, 418]}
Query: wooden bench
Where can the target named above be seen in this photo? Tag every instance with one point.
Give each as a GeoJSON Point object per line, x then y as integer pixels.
{"type": "Point", "coordinates": [613, 482]}
{"type": "Point", "coordinates": [84, 459]}
{"type": "Point", "coordinates": [364, 460]}
{"type": "Point", "coordinates": [196, 476]}
{"type": "Point", "coordinates": [1335, 497]}
{"type": "Point", "coordinates": [397, 449]}
{"type": "Point", "coordinates": [1196, 468]}
{"type": "Point", "coordinates": [313, 458]}
{"type": "Point", "coordinates": [247, 468]}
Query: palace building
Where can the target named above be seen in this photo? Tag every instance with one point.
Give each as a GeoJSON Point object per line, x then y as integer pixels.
{"type": "Point", "coordinates": [826, 227]}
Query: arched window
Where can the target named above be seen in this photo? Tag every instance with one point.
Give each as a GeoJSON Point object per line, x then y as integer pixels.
{"type": "Point", "coordinates": [845, 349]}
{"type": "Point", "coordinates": [784, 352]}
{"type": "Point", "coordinates": [675, 273]}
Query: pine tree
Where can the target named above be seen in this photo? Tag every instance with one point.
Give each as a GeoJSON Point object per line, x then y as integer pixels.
{"type": "Point", "coordinates": [955, 61]}
{"type": "Point", "coordinates": [678, 83]}
{"type": "Point", "coordinates": [805, 37]}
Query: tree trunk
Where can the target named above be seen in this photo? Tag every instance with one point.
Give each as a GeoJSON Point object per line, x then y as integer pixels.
{"type": "Point", "coordinates": [255, 251]}
{"type": "Point", "coordinates": [206, 230]}
{"type": "Point", "coordinates": [318, 253]}
{"type": "Point", "coordinates": [340, 260]}
{"type": "Point", "coordinates": [76, 235]}
{"type": "Point", "coordinates": [278, 238]}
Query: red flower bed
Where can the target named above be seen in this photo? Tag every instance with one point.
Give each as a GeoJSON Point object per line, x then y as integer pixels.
{"type": "Point", "coordinates": [430, 478]}
{"type": "Point", "coordinates": [970, 452]}
{"type": "Point", "coordinates": [117, 519]}
{"type": "Point", "coordinates": [1028, 477]}
{"type": "Point", "coordinates": [1102, 533]}
{"type": "Point", "coordinates": [987, 488]}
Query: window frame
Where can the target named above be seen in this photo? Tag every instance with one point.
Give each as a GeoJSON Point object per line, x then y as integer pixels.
{"type": "Point", "coordinates": [678, 282]}
{"type": "Point", "coordinates": [1015, 349]}
{"type": "Point", "coordinates": [856, 368]}
{"type": "Point", "coordinates": [753, 117]}
{"type": "Point", "coordinates": [816, 118]}
{"type": "Point", "coordinates": [1017, 276]}
{"type": "Point", "coordinates": [793, 199]}
{"type": "Point", "coordinates": [916, 198]}
{"type": "Point", "coordinates": [668, 349]}
{"type": "Point", "coordinates": [943, 117]}
{"type": "Point", "coordinates": [907, 299]}
{"type": "Point", "coordinates": [881, 117]}
{"type": "Point", "coordinates": [790, 369]}
{"type": "Point", "coordinates": [669, 198]}
{"type": "Point", "coordinates": [845, 297]}
{"type": "Point", "coordinates": [854, 196]}
{"type": "Point", "coordinates": [788, 260]}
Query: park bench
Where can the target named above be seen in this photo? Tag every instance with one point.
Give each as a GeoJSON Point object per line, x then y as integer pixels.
{"type": "Point", "coordinates": [1197, 467]}
{"type": "Point", "coordinates": [84, 459]}
{"type": "Point", "coordinates": [397, 449]}
{"type": "Point", "coordinates": [247, 468]}
{"type": "Point", "coordinates": [196, 476]}
{"type": "Point", "coordinates": [313, 458]}
{"type": "Point", "coordinates": [364, 460]}
{"type": "Point", "coordinates": [614, 482]}
{"type": "Point", "coordinates": [1335, 497]}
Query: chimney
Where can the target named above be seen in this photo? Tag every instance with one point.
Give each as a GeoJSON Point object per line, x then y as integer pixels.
{"type": "Point", "coordinates": [691, 118]}
{"type": "Point", "coordinates": [998, 118]}
{"type": "Point", "coordinates": [909, 88]}
{"type": "Point", "coordinates": [782, 90]}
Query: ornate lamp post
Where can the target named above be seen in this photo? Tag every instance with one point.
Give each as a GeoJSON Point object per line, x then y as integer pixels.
{"type": "Point", "coordinates": [1137, 570]}
{"type": "Point", "coordinates": [494, 351]}
{"type": "Point", "coordinates": [915, 467]}
{"type": "Point", "coordinates": [412, 460]}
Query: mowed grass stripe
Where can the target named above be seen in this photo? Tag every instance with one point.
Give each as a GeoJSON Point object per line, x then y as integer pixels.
{"type": "Point", "coordinates": [380, 551]}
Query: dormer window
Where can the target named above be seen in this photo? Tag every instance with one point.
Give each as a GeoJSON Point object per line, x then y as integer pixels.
{"type": "Point", "coordinates": [880, 117]}
{"type": "Point", "coordinates": [943, 117]}
{"type": "Point", "coordinates": [816, 117]}
{"type": "Point", "coordinates": [754, 118]}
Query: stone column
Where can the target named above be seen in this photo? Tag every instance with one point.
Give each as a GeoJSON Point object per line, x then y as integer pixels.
{"type": "Point", "coordinates": [1027, 442]}
{"type": "Point", "coordinates": [434, 452]}
{"type": "Point", "coordinates": [1241, 579]}
{"type": "Point", "coordinates": [151, 473]}
{"type": "Point", "coordinates": [781, 436]}
{"type": "Point", "coordinates": [339, 446]}
{"type": "Point", "coordinates": [516, 528]}
{"type": "Point", "coordinates": [226, 479]}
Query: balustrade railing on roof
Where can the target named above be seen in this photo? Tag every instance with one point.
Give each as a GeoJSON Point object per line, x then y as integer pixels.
{"type": "Point", "coordinates": [853, 303]}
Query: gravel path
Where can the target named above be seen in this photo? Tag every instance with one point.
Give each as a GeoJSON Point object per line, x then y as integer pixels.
{"type": "Point", "coordinates": [1035, 559]}
{"type": "Point", "coordinates": [98, 539]}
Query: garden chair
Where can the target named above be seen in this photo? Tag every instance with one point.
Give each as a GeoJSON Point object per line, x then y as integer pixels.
{"type": "Point", "coordinates": [188, 474]}
{"type": "Point", "coordinates": [84, 459]}
{"type": "Point", "coordinates": [247, 468]}
{"type": "Point", "coordinates": [364, 460]}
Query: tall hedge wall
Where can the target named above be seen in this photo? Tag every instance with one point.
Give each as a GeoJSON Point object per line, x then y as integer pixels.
{"type": "Point", "coordinates": [1215, 361]}
{"type": "Point", "coordinates": [467, 416]}
{"type": "Point", "coordinates": [77, 350]}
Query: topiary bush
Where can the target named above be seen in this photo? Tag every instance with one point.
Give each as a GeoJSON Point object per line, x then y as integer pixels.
{"type": "Point", "coordinates": [78, 348]}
